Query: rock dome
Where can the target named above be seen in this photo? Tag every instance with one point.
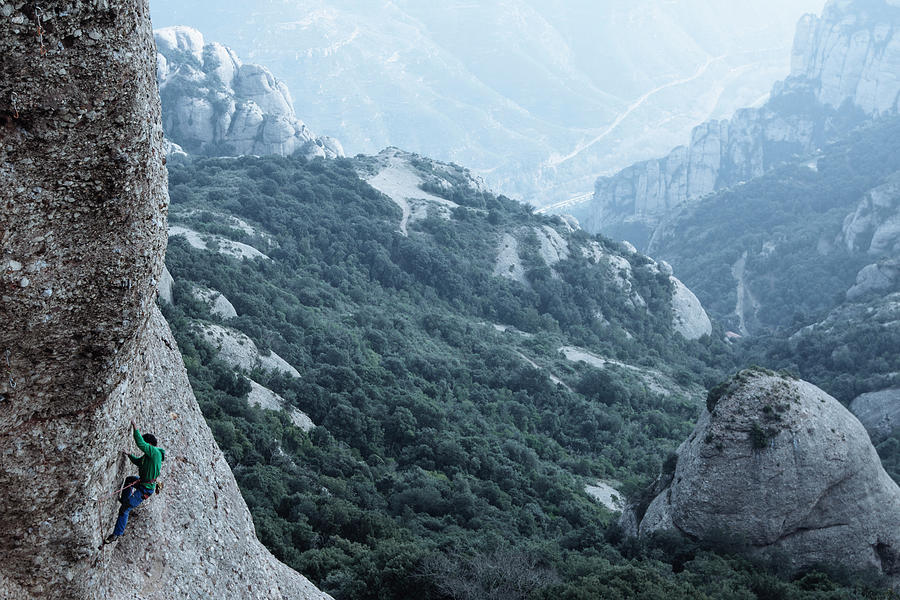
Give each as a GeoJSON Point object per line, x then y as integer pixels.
{"type": "Point", "coordinates": [782, 466]}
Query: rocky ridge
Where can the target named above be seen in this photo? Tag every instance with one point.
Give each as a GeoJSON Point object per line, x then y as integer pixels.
{"type": "Point", "coordinates": [844, 66]}
{"type": "Point", "coordinates": [788, 471]}
{"type": "Point", "coordinates": [553, 245]}
{"type": "Point", "coordinates": [85, 349]}
{"type": "Point", "coordinates": [215, 104]}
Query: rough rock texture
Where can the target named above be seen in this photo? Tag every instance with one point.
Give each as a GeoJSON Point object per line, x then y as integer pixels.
{"type": "Point", "coordinates": [786, 468]}
{"type": "Point", "coordinates": [215, 104]}
{"type": "Point", "coordinates": [848, 55]}
{"type": "Point", "coordinates": [879, 412]}
{"type": "Point", "coordinates": [83, 347]}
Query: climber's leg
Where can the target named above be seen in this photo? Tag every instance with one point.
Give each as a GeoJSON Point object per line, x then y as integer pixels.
{"type": "Point", "coordinates": [134, 498]}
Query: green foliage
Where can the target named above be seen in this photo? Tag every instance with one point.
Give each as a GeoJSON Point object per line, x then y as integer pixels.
{"type": "Point", "coordinates": [715, 394]}
{"type": "Point", "coordinates": [760, 437]}
{"type": "Point", "coordinates": [438, 447]}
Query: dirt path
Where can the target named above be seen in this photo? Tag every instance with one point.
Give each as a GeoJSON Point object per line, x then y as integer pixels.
{"type": "Point", "coordinates": [744, 296]}
{"type": "Point", "coordinates": [399, 181]}
{"type": "Point", "coordinates": [558, 160]}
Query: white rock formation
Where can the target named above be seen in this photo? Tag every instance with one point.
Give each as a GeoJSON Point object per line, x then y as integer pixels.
{"type": "Point", "coordinates": [876, 220]}
{"type": "Point", "coordinates": [170, 148]}
{"type": "Point", "coordinates": [553, 247]}
{"type": "Point", "coordinates": [213, 103]}
{"type": "Point", "coordinates": [607, 495]}
{"type": "Point", "coordinates": [689, 318]}
{"type": "Point", "coordinates": [877, 277]}
{"type": "Point", "coordinates": [265, 398]}
{"type": "Point", "coordinates": [164, 287]}
{"type": "Point", "coordinates": [878, 411]}
{"type": "Point", "coordinates": [217, 302]}
{"type": "Point", "coordinates": [784, 467]}
{"type": "Point", "coordinates": [851, 52]}
{"type": "Point", "coordinates": [654, 379]}
{"type": "Point", "coordinates": [217, 243]}
{"type": "Point", "coordinates": [508, 263]}
{"type": "Point", "coordinates": [239, 351]}
{"type": "Point", "coordinates": [393, 174]}
{"type": "Point", "coordinates": [618, 269]}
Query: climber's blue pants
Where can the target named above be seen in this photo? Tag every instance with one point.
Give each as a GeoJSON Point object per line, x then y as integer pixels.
{"type": "Point", "coordinates": [130, 498]}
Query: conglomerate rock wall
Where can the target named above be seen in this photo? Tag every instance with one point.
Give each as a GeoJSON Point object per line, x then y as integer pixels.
{"type": "Point", "coordinates": [83, 348]}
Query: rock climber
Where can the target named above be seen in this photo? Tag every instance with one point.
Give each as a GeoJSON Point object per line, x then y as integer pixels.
{"type": "Point", "coordinates": [141, 487]}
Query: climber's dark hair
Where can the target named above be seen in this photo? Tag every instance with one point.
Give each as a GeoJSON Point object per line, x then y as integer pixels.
{"type": "Point", "coordinates": [150, 439]}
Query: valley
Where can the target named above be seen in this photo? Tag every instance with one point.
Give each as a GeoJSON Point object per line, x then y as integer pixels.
{"type": "Point", "coordinates": [387, 375]}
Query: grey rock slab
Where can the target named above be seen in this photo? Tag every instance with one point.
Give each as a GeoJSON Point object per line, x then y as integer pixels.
{"type": "Point", "coordinates": [878, 411]}
{"type": "Point", "coordinates": [811, 489]}
{"type": "Point", "coordinates": [689, 318]}
{"type": "Point", "coordinates": [165, 286]}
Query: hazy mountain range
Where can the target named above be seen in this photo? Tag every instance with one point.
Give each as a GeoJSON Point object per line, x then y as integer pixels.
{"type": "Point", "coordinates": [538, 97]}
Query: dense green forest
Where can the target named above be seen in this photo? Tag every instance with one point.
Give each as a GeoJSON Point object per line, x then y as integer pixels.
{"type": "Point", "coordinates": [445, 464]}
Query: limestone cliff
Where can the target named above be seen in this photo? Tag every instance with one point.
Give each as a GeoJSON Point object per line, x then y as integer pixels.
{"type": "Point", "coordinates": [783, 467]}
{"type": "Point", "coordinates": [83, 346]}
{"type": "Point", "coordinates": [215, 104]}
{"type": "Point", "coordinates": [844, 67]}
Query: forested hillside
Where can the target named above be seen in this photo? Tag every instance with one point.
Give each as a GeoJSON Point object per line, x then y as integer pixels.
{"type": "Point", "coordinates": [774, 256]}
{"type": "Point", "coordinates": [458, 421]}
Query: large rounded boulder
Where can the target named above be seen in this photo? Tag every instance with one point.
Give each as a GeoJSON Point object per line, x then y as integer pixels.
{"type": "Point", "coordinates": [781, 466]}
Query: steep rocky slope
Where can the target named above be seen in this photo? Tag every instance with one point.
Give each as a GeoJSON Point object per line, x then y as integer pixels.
{"type": "Point", "coordinates": [844, 67]}
{"type": "Point", "coordinates": [786, 469]}
{"type": "Point", "coordinates": [84, 348]}
{"type": "Point", "coordinates": [213, 103]}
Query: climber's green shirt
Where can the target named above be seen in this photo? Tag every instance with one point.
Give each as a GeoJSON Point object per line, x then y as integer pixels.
{"type": "Point", "coordinates": [149, 464]}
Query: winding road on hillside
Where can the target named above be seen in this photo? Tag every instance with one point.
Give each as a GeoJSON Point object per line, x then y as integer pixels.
{"type": "Point", "coordinates": [554, 161]}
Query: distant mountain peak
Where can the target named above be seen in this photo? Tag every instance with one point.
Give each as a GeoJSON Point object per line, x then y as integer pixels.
{"type": "Point", "coordinates": [215, 104]}
{"type": "Point", "coordinates": [844, 68]}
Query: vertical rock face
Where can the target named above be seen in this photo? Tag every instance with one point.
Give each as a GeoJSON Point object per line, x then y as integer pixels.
{"type": "Point", "coordinates": [851, 53]}
{"type": "Point", "coordinates": [83, 348]}
{"type": "Point", "coordinates": [215, 104]}
{"type": "Point", "coordinates": [719, 154]}
{"type": "Point", "coordinates": [785, 468]}
{"type": "Point", "coordinates": [850, 56]}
